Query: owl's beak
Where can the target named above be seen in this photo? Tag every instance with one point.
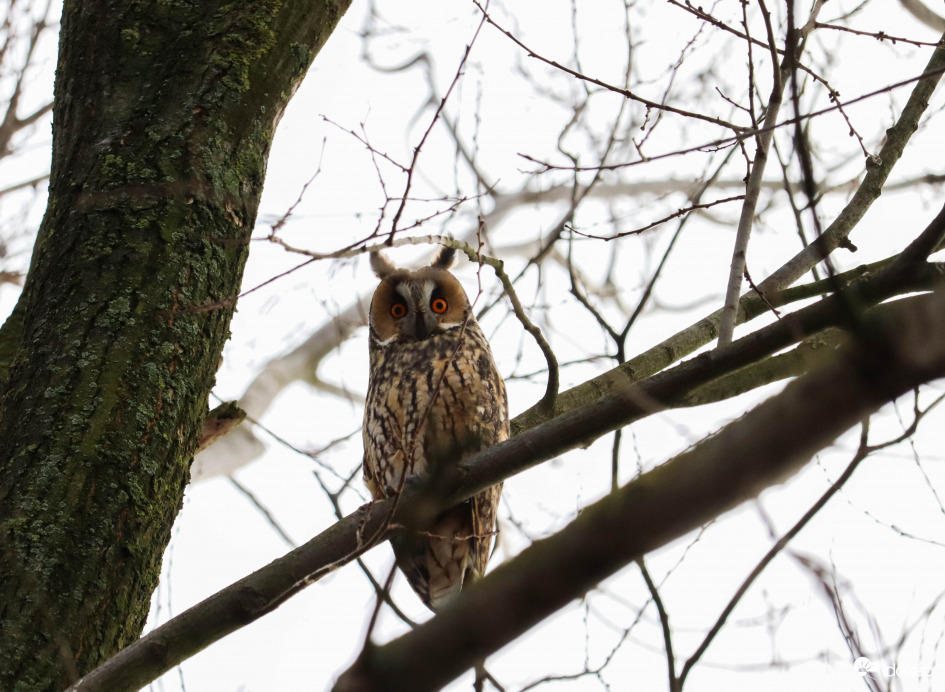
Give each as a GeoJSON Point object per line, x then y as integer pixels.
{"type": "Point", "coordinates": [422, 326]}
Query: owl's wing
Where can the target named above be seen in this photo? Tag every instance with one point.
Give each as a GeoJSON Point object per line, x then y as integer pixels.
{"type": "Point", "coordinates": [369, 470]}
{"type": "Point", "coordinates": [484, 507]}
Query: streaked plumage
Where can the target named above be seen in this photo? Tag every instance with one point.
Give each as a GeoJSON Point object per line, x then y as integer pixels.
{"type": "Point", "coordinates": [434, 396]}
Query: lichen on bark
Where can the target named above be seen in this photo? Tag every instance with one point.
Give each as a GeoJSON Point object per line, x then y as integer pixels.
{"type": "Point", "coordinates": [163, 118]}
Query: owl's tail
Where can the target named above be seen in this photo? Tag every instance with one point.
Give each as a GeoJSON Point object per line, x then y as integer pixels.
{"type": "Point", "coordinates": [436, 561]}
{"type": "Point", "coordinates": [448, 556]}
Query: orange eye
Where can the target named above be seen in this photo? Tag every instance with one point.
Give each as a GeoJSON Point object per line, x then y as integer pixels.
{"type": "Point", "coordinates": [439, 305]}
{"type": "Point", "coordinates": [398, 310]}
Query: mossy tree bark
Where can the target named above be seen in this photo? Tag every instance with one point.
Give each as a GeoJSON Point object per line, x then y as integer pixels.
{"type": "Point", "coordinates": [163, 117]}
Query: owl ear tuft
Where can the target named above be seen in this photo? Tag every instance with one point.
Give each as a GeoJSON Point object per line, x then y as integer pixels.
{"type": "Point", "coordinates": [445, 258]}
{"type": "Point", "coordinates": [381, 266]}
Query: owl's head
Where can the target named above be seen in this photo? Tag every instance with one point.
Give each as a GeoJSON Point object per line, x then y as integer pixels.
{"type": "Point", "coordinates": [416, 305]}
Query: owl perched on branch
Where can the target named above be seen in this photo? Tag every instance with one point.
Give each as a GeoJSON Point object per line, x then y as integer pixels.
{"type": "Point", "coordinates": [434, 397]}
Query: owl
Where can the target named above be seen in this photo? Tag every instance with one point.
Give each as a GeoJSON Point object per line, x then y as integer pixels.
{"type": "Point", "coordinates": [434, 397]}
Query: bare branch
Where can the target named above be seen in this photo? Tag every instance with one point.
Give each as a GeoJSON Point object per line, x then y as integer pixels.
{"type": "Point", "coordinates": [877, 170]}
{"type": "Point", "coordinates": [688, 340]}
{"type": "Point", "coordinates": [219, 422]}
{"type": "Point", "coordinates": [617, 90]}
{"type": "Point", "coordinates": [761, 448]}
{"type": "Point", "coordinates": [733, 289]}
{"type": "Point", "coordinates": [423, 139]}
{"type": "Point", "coordinates": [911, 345]}
{"type": "Point", "coordinates": [551, 390]}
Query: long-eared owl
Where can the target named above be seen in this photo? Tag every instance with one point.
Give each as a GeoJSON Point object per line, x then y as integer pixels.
{"type": "Point", "coordinates": [434, 396]}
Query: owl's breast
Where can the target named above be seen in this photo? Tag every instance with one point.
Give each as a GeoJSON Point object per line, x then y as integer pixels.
{"type": "Point", "coordinates": [433, 401]}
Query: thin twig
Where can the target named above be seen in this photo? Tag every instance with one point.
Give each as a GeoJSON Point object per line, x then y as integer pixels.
{"type": "Point", "coordinates": [674, 682]}
{"type": "Point", "coordinates": [498, 266]}
{"type": "Point", "coordinates": [262, 509]}
{"type": "Point", "coordinates": [761, 294]}
{"type": "Point", "coordinates": [861, 454]}
{"type": "Point", "coordinates": [676, 214]}
{"type": "Point", "coordinates": [610, 87]}
{"type": "Point", "coordinates": [433, 121]}
{"type": "Point", "coordinates": [878, 35]}
{"type": "Point", "coordinates": [928, 74]}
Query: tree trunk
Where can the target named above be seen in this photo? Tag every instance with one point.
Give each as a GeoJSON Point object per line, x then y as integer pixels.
{"type": "Point", "coordinates": [163, 115]}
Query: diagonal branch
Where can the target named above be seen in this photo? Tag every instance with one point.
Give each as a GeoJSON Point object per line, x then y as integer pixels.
{"type": "Point", "coordinates": [267, 588]}
{"type": "Point", "coordinates": [702, 332]}
{"type": "Point", "coordinates": [781, 74]}
{"type": "Point", "coordinates": [753, 188]}
{"type": "Point", "coordinates": [761, 449]}
{"type": "Point", "coordinates": [878, 168]}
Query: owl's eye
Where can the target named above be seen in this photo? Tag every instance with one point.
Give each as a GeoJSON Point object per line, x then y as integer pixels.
{"type": "Point", "coordinates": [439, 305]}
{"type": "Point", "coordinates": [398, 310]}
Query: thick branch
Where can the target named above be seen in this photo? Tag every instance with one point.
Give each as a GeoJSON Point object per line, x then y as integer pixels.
{"type": "Point", "coordinates": [242, 446]}
{"type": "Point", "coordinates": [759, 450]}
{"type": "Point", "coordinates": [259, 593]}
{"type": "Point", "coordinates": [697, 335]}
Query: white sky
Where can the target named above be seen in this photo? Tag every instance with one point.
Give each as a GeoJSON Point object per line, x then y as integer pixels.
{"type": "Point", "coordinates": [219, 537]}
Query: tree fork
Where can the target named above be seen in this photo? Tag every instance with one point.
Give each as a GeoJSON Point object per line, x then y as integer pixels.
{"type": "Point", "coordinates": [163, 117]}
